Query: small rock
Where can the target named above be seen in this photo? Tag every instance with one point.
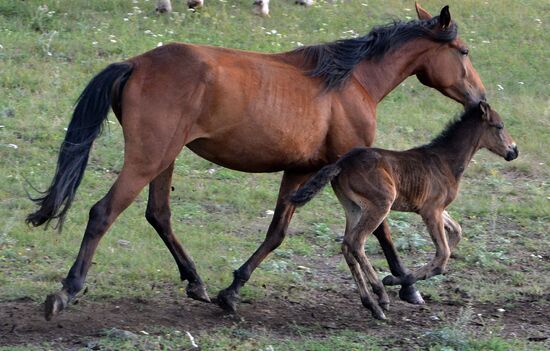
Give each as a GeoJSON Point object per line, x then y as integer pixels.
{"type": "Point", "coordinates": [269, 212]}
{"type": "Point", "coordinates": [434, 318]}
{"type": "Point", "coordinates": [93, 345]}
{"type": "Point", "coordinates": [122, 334]}
{"type": "Point", "coordinates": [123, 243]}
{"type": "Point", "coordinates": [501, 310]}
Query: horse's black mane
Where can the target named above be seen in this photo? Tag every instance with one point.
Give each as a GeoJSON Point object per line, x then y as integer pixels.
{"type": "Point", "coordinates": [471, 114]}
{"type": "Point", "coordinates": [335, 61]}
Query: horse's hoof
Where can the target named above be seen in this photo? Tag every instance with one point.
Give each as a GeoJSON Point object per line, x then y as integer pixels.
{"type": "Point", "coordinates": [55, 303]}
{"type": "Point", "coordinates": [227, 300]}
{"type": "Point", "coordinates": [197, 292]}
{"type": "Point", "coordinates": [410, 294]}
{"type": "Point", "coordinates": [391, 280]}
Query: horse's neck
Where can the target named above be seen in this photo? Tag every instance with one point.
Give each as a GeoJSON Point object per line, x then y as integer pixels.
{"type": "Point", "coordinates": [380, 77]}
{"type": "Point", "coordinates": [458, 150]}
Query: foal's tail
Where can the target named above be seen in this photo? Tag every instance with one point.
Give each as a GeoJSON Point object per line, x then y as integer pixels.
{"type": "Point", "coordinates": [315, 184]}
{"type": "Point", "coordinates": [86, 124]}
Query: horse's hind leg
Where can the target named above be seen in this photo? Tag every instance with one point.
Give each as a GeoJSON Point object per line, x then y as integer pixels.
{"type": "Point", "coordinates": [102, 215]}
{"type": "Point", "coordinates": [408, 291]}
{"type": "Point", "coordinates": [158, 215]}
{"type": "Point", "coordinates": [227, 298]}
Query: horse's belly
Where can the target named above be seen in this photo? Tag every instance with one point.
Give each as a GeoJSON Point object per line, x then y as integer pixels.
{"type": "Point", "coordinates": [253, 155]}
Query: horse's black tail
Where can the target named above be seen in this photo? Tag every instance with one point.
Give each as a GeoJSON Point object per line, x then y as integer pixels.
{"type": "Point", "coordinates": [86, 124]}
{"type": "Point", "coordinates": [315, 184]}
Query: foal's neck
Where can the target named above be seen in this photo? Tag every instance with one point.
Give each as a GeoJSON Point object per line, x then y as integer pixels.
{"type": "Point", "coordinates": [457, 149]}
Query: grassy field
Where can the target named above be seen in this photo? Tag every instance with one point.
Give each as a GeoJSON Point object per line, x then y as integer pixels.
{"type": "Point", "coordinates": [50, 49]}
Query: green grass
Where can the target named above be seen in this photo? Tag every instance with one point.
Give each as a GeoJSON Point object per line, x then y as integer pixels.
{"type": "Point", "coordinates": [50, 49]}
{"type": "Point", "coordinates": [237, 339]}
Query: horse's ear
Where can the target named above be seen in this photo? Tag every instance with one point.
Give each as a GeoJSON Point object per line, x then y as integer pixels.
{"type": "Point", "coordinates": [485, 110]}
{"type": "Point", "coordinates": [445, 18]}
{"type": "Point", "coordinates": [422, 14]}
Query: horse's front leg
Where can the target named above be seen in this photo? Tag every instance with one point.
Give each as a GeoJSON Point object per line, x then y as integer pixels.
{"type": "Point", "coordinates": [227, 298]}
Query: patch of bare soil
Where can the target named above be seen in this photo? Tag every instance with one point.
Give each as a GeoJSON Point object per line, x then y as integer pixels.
{"type": "Point", "coordinates": [320, 312]}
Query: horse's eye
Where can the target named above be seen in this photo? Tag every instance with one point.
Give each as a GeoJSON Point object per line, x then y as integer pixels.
{"type": "Point", "coordinates": [499, 126]}
{"type": "Point", "coordinates": [464, 51]}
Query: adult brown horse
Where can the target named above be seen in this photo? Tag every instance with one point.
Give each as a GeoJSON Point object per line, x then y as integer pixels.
{"type": "Point", "coordinates": [294, 112]}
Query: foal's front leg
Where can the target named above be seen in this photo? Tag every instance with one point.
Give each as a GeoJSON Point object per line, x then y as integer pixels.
{"type": "Point", "coordinates": [453, 230]}
{"type": "Point", "coordinates": [400, 274]}
{"type": "Point", "coordinates": [436, 226]}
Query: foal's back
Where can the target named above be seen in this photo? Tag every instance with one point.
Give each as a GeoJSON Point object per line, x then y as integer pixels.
{"type": "Point", "coordinates": [408, 180]}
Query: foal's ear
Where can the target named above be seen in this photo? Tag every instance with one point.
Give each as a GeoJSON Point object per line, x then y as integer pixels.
{"type": "Point", "coordinates": [422, 14]}
{"type": "Point", "coordinates": [445, 18]}
{"type": "Point", "coordinates": [485, 110]}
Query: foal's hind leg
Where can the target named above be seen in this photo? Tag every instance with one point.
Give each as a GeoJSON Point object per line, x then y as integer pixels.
{"type": "Point", "coordinates": [353, 249]}
{"type": "Point", "coordinates": [356, 237]}
{"type": "Point", "coordinates": [227, 298]}
{"type": "Point", "coordinates": [158, 215]}
{"type": "Point", "coordinates": [408, 291]}
{"type": "Point", "coordinates": [102, 215]}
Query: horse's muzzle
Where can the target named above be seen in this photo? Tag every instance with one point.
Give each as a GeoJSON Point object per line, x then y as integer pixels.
{"type": "Point", "coordinates": [512, 153]}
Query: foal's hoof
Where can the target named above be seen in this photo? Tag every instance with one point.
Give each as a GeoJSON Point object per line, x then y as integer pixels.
{"type": "Point", "coordinates": [197, 292]}
{"type": "Point", "coordinates": [384, 305]}
{"type": "Point", "coordinates": [227, 300]}
{"type": "Point", "coordinates": [374, 308]}
{"type": "Point", "coordinates": [378, 314]}
{"type": "Point", "coordinates": [410, 294]}
{"type": "Point", "coordinates": [55, 303]}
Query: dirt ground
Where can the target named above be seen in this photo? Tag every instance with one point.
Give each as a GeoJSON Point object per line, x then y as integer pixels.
{"type": "Point", "coordinates": [319, 311]}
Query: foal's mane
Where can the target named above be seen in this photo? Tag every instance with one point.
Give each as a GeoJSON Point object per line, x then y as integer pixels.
{"type": "Point", "coordinates": [335, 61]}
{"type": "Point", "coordinates": [454, 126]}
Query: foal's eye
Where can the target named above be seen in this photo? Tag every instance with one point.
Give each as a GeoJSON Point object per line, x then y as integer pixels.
{"type": "Point", "coordinates": [499, 126]}
{"type": "Point", "coordinates": [464, 51]}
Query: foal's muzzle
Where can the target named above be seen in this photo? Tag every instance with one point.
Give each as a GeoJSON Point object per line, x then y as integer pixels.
{"type": "Point", "coordinates": [513, 153]}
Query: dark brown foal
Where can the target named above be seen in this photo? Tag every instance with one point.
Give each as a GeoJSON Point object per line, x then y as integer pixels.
{"type": "Point", "coordinates": [370, 182]}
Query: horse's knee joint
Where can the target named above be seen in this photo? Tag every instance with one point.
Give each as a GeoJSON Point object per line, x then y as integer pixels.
{"type": "Point", "coordinates": [157, 217]}
{"type": "Point", "coordinates": [97, 220]}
